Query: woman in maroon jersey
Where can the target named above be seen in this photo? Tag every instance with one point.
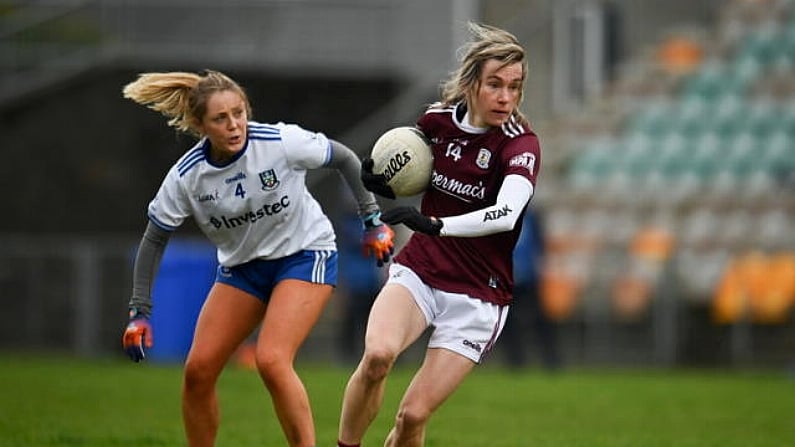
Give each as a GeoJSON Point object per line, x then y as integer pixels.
{"type": "Point", "coordinates": [455, 273]}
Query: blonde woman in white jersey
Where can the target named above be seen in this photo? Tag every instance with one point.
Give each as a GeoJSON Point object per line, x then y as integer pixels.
{"type": "Point", "coordinates": [243, 184]}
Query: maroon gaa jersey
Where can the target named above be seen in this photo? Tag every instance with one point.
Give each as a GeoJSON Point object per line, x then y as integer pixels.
{"type": "Point", "coordinates": [468, 170]}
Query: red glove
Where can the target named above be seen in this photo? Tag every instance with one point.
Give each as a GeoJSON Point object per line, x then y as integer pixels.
{"type": "Point", "coordinates": [378, 239]}
{"type": "Point", "coordinates": [137, 336]}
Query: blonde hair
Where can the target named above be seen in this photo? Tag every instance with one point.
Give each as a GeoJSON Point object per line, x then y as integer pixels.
{"type": "Point", "coordinates": [487, 42]}
{"type": "Point", "coordinates": [180, 96]}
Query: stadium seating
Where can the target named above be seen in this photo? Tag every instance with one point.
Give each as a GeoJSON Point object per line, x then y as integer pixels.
{"type": "Point", "coordinates": [715, 153]}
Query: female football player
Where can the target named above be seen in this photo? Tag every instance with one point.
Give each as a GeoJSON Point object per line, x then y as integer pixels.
{"type": "Point", "coordinates": [243, 184]}
{"type": "Point", "coordinates": [455, 272]}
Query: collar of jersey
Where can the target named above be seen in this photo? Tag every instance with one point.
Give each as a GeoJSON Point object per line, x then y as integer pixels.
{"type": "Point", "coordinates": [206, 151]}
{"type": "Point", "coordinates": [463, 121]}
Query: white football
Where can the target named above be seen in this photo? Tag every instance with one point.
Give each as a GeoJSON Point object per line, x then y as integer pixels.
{"type": "Point", "coordinates": [403, 155]}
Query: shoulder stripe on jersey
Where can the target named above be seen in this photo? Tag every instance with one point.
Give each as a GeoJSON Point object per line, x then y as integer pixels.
{"type": "Point", "coordinates": [437, 107]}
{"type": "Point", "coordinates": [189, 156]}
{"type": "Point", "coordinates": [257, 131]}
{"type": "Point", "coordinates": [512, 128]}
{"type": "Point", "coordinates": [264, 132]}
{"type": "Point", "coordinates": [262, 127]}
{"type": "Point", "coordinates": [190, 162]}
{"type": "Point", "coordinates": [161, 224]}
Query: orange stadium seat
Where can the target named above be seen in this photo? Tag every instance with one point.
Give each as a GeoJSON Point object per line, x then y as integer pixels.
{"type": "Point", "coordinates": [757, 286]}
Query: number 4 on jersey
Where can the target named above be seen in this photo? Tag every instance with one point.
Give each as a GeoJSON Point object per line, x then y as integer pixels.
{"type": "Point", "coordinates": [239, 191]}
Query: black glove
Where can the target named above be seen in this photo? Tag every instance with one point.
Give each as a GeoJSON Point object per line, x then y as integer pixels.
{"type": "Point", "coordinates": [410, 217]}
{"type": "Point", "coordinates": [375, 182]}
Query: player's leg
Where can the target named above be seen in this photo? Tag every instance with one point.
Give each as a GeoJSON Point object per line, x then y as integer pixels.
{"type": "Point", "coordinates": [294, 308]}
{"type": "Point", "coordinates": [227, 317]}
{"type": "Point", "coordinates": [395, 322]}
{"type": "Point", "coordinates": [465, 330]}
{"type": "Point", "coordinates": [441, 373]}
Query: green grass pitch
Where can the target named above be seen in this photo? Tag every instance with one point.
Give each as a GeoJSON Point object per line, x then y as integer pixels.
{"type": "Point", "coordinates": [57, 401]}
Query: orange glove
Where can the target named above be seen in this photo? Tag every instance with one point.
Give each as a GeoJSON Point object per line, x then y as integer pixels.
{"type": "Point", "coordinates": [378, 239]}
{"type": "Point", "coordinates": [137, 336]}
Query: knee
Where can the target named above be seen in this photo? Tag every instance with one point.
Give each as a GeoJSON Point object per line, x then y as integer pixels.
{"type": "Point", "coordinates": [376, 364]}
{"type": "Point", "coordinates": [199, 375]}
{"type": "Point", "coordinates": [411, 418]}
{"type": "Point", "coordinates": [272, 364]}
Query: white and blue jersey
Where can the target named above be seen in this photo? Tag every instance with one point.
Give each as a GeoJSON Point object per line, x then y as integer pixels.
{"type": "Point", "coordinates": [257, 205]}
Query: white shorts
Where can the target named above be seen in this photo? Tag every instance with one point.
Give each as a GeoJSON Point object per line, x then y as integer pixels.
{"type": "Point", "coordinates": [462, 324]}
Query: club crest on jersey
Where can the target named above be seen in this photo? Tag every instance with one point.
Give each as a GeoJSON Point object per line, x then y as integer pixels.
{"type": "Point", "coordinates": [484, 156]}
{"type": "Point", "coordinates": [268, 179]}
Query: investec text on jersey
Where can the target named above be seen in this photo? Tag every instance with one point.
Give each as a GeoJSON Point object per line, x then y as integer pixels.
{"type": "Point", "coordinates": [251, 216]}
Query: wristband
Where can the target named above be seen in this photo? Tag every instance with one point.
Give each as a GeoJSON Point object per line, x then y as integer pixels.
{"type": "Point", "coordinates": [372, 220]}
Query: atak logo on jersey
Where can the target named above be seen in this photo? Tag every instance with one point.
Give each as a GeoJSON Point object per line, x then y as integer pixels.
{"type": "Point", "coordinates": [526, 160]}
{"type": "Point", "coordinates": [268, 179]}
{"type": "Point", "coordinates": [484, 156]}
{"type": "Point", "coordinates": [496, 214]}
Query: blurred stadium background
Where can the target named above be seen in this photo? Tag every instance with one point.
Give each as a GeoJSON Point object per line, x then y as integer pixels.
{"type": "Point", "coordinates": [668, 131]}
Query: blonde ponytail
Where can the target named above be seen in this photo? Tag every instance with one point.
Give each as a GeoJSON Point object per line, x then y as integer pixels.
{"type": "Point", "coordinates": [180, 96]}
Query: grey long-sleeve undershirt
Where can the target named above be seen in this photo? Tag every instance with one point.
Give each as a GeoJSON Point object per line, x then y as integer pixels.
{"type": "Point", "coordinates": [344, 160]}
{"type": "Point", "coordinates": [147, 261]}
